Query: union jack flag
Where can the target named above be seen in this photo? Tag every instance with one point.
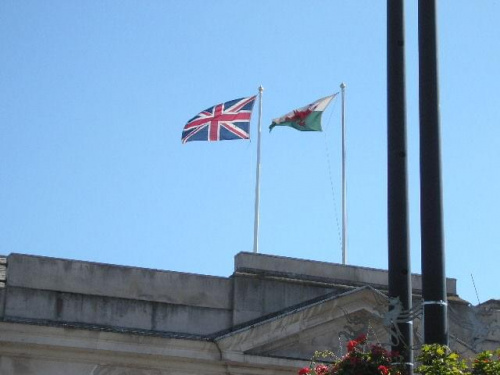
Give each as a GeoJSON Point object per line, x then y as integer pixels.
{"type": "Point", "coordinates": [225, 121]}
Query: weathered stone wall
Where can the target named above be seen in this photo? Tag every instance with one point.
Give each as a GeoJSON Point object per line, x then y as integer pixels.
{"type": "Point", "coordinates": [353, 276]}
{"type": "Point", "coordinates": [58, 290]}
{"type": "Point", "coordinates": [265, 284]}
{"type": "Point", "coordinates": [42, 350]}
{"type": "Point", "coordinates": [62, 316]}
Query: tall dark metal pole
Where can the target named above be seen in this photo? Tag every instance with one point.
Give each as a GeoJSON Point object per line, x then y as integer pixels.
{"type": "Point", "coordinates": [431, 211]}
{"type": "Point", "coordinates": [399, 254]}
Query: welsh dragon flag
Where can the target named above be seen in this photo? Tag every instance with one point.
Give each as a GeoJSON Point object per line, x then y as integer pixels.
{"type": "Point", "coordinates": [307, 118]}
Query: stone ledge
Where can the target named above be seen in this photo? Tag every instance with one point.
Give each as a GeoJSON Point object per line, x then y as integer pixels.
{"type": "Point", "coordinates": [53, 274]}
{"type": "Point", "coordinates": [294, 268]}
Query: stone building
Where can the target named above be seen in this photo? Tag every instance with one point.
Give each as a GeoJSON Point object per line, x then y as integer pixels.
{"type": "Point", "coordinates": [61, 316]}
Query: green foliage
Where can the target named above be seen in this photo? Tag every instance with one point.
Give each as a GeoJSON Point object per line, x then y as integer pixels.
{"type": "Point", "coordinates": [487, 363]}
{"type": "Point", "coordinates": [440, 360]}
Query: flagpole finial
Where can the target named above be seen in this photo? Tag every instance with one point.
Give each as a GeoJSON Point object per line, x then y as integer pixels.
{"type": "Point", "coordinates": [342, 85]}
{"type": "Point", "coordinates": [261, 88]}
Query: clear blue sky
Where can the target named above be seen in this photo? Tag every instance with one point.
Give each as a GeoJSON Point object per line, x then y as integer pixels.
{"type": "Point", "coordinates": [94, 95]}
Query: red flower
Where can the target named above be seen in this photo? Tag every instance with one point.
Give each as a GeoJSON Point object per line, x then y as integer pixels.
{"type": "Point", "coordinates": [321, 370]}
{"type": "Point", "coordinates": [383, 370]}
{"type": "Point", "coordinates": [351, 345]}
{"type": "Point", "coordinates": [361, 339]}
{"type": "Point", "coordinates": [360, 359]}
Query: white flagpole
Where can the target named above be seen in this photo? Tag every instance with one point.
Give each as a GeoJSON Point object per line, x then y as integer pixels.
{"type": "Point", "coordinates": [344, 207]}
{"type": "Point", "coordinates": [257, 180]}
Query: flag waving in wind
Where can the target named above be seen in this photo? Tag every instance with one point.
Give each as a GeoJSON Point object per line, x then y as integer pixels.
{"type": "Point", "coordinates": [225, 121]}
{"type": "Point", "coordinates": [307, 118]}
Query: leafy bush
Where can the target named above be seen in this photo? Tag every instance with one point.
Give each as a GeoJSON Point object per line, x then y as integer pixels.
{"type": "Point", "coordinates": [486, 363]}
{"type": "Point", "coordinates": [365, 359]}
{"type": "Point", "coordinates": [361, 359]}
{"type": "Point", "coordinates": [440, 360]}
